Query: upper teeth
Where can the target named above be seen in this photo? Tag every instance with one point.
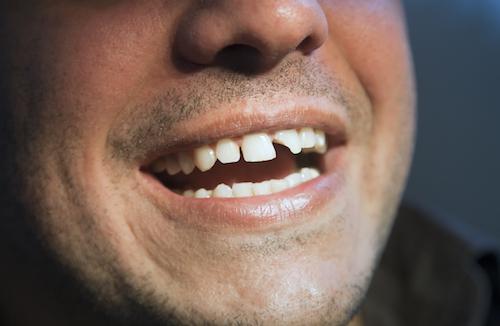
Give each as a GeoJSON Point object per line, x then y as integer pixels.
{"type": "Point", "coordinates": [257, 147]}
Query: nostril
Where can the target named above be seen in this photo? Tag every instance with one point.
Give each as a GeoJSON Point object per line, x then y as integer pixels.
{"type": "Point", "coordinates": [307, 45]}
{"type": "Point", "coordinates": [239, 57]}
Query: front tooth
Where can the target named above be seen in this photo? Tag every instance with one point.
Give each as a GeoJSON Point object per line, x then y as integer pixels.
{"type": "Point", "coordinates": [261, 188]}
{"type": "Point", "coordinates": [278, 185]}
{"type": "Point", "coordinates": [172, 165]}
{"type": "Point", "coordinates": [223, 191]}
{"type": "Point", "coordinates": [186, 162]}
{"type": "Point", "coordinates": [202, 193]}
{"type": "Point", "coordinates": [258, 148]}
{"type": "Point", "coordinates": [243, 189]}
{"type": "Point", "coordinates": [320, 145]}
{"type": "Point", "coordinates": [289, 138]}
{"type": "Point", "coordinates": [307, 137]}
{"type": "Point", "coordinates": [294, 179]}
{"type": "Point", "coordinates": [204, 158]}
{"type": "Point", "coordinates": [227, 151]}
{"type": "Point", "coordinates": [188, 193]}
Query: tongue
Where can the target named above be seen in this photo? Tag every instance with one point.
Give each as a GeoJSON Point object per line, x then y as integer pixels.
{"type": "Point", "coordinates": [242, 171]}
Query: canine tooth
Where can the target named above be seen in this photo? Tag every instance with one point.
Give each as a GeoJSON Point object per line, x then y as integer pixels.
{"type": "Point", "coordinates": [278, 185]}
{"type": "Point", "coordinates": [262, 188]}
{"type": "Point", "coordinates": [223, 191]}
{"type": "Point", "coordinates": [188, 193]}
{"type": "Point", "coordinates": [294, 179]}
{"type": "Point", "coordinates": [227, 151]}
{"type": "Point", "coordinates": [258, 148]}
{"type": "Point", "coordinates": [186, 162]}
{"type": "Point", "coordinates": [320, 145]}
{"type": "Point", "coordinates": [172, 165]}
{"type": "Point", "coordinates": [307, 137]}
{"type": "Point", "coordinates": [289, 138]}
{"type": "Point", "coordinates": [202, 193]}
{"type": "Point", "coordinates": [204, 158]}
{"type": "Point", "coordinates": [243, 189]}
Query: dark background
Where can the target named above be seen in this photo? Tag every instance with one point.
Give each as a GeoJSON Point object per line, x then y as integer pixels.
{"type": "Point", "coordinates": [456, 47]}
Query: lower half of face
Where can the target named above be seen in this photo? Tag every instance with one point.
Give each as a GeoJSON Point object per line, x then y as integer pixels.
{"type": "Point", "coordinates": [269, 205]}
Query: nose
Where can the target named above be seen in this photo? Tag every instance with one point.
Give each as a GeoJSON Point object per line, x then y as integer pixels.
{"type": "Point", "coordinates": [249, 34]}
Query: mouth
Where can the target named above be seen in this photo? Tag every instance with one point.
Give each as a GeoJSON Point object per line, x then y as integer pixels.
{"type": "Point", "coordinates": [255, 164]}
{"type": "Point", "coordinates": [274, 167]}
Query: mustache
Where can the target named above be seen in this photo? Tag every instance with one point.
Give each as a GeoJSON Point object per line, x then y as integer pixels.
{"type": "Point", "coordinates": [139, 128]}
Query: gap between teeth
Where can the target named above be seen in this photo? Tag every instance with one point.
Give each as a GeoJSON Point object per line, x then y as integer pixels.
{"type": "Point", "coordinates": [249, 189]}
{"type": "Point", "coordinates": [257, 147]}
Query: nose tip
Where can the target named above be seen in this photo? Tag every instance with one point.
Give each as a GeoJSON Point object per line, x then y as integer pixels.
{"type": "Point", "coordinates": [250, 31]}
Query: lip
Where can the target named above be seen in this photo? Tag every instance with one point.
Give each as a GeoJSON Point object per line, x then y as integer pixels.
{"type": "Point", "coordinates": [293, 205]}
{"type": "Point", "coordinates": [253, 116]}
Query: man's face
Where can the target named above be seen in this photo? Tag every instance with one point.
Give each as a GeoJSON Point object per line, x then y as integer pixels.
{"type": "Point", "coordinates": [103, 97]}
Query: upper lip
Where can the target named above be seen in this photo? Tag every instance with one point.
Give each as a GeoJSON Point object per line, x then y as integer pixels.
{"type": "Point", "coordinates": [235, 121]}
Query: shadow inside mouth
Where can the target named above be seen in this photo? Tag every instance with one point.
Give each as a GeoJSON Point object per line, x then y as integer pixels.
{"type": "Point", "coordinates": [283, 165]}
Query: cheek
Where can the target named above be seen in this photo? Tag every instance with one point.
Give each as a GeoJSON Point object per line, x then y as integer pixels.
{"type": "Point", "coordinates": [371, 36]}
{"type": "Point", "coordinates": [97, 63]}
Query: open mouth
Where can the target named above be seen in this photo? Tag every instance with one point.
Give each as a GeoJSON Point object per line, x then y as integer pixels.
{"type": "Point", "coordinates": [255, 164]}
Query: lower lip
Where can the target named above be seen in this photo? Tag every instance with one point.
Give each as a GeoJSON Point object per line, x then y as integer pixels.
{"type": "Point", "coordinates": [292, 205]}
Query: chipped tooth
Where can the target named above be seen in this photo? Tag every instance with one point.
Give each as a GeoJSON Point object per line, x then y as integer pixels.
{"type": "Point", "coordinates": [294, 179]}
{"type": "Point", "coordinates": [320, 145]}
{"type": "Point", "coordinates": [289, 138]}
{"type": "Point", "coordinates": [278, 185]}
{"type": "Point", "coordinates": [204, 158]}
{"type": "Point", "coordinates": [307, 137]}
{"type": "Point", "coordinates": [258, 148]}
{"type": "Point", "coordinates": [188, 193]}
{"type": "Point", "coordinates": [261, 188]}
{"type": "Point", "coordinates": [172, 165]}
{"type": "Point", "coordinates": [223, 191]}
{"type": "Point", "coordinates": [186, 162]}
{"type": "Point", "coordinates": [202, 193]}
{"type": "Point", "coordinates": [227, 151]}
{"type": "Point", "coordinates": [243, 189]}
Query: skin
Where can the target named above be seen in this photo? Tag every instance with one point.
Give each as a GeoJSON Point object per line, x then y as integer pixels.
{"type": "Point", "coordinates": [82, 244]}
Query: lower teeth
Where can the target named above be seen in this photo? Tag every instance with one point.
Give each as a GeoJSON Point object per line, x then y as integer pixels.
{"type": "Point", "coordinates": [249, 189]}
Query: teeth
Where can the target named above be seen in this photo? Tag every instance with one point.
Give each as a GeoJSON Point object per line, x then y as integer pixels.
{"type": "Point", "coordinates": [307, 137]}
{"type": "Point", "coordinates": [278, 185]}
{"type": "Point", "coordinates": [202, 193]}
{"type": "Point", "coordinates": [159, 165]}
{"type": "Point", "coordinates": [186, 162]}
{"type": "Point", "coordinates": [258, 148]}
{"type": "Point", "coordinates": [320, 145]}
{"type": "Point", "coordinates": [243, 189]}
{"type": "Point", "coordinates": [228, 151]}
{"type": "Point", "coordinates": [204, 158]}
{"type": "Point", "coordinates": [172, 166]}
{"type": "Point", "coordinates": [290, 139]}
{"type": "Point", "coordinates": [249, 189]}
{"type": "Point", "coordinates": [294, 179]}
{"type": "Point", "coordinates": [308, 174]}
{"type": "Point", "coordinates": [262, 188]}
{"type": "Point", "coordinates": [223, 191]}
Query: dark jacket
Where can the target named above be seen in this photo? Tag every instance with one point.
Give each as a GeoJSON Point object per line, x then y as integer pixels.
{"type": "Point", "coordinates": [434, 272]}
